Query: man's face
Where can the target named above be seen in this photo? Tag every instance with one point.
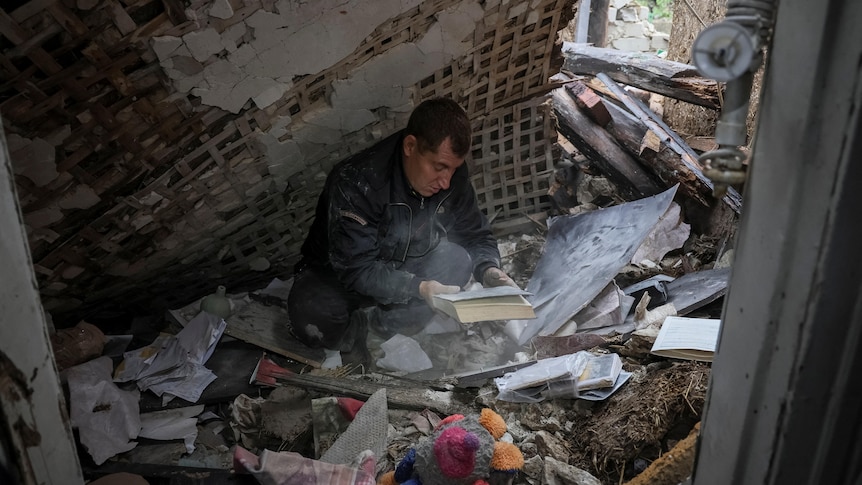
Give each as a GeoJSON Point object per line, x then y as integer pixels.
{"type": "Point", "coordinates": [429, 172]}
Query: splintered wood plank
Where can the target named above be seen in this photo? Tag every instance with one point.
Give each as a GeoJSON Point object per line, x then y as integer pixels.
{"type": "Point", "coordinates": [672, 79]}
{"type": "Point", "coordinates": [267, 327]}
{"type": "Point", "coordinates": [670, 138]}
{"type": "Point", "coordinates": [601, 148]}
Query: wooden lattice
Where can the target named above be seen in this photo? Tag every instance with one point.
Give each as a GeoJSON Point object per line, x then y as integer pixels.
{"type": "Point", "coordinates": [178, 196]}
{"type": "Point", "coordinates": [514, 160]}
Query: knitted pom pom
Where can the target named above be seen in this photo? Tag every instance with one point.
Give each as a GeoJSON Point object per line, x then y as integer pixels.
{"type": "Point", "coordinates": [388, 478]}
{"type": "Point", "coordinates": [480, 482]}
{"type": "Point", "coordinates": [455, 451]}
{"type": "Point", "coordinates": [507, 457]}
{"type": "Point", "coordinates": [493, 422]}
{"type": "Point", "coordinates": [404, 470]}
{"type": "Point", "coordinates": [449, 419]}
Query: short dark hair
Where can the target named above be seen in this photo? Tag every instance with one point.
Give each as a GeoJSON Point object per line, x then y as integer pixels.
{"type": "Point", "coordinates": [436, 119]}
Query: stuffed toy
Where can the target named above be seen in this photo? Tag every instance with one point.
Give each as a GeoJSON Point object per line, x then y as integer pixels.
{"type": "Point", "coordinates": [460, 451]}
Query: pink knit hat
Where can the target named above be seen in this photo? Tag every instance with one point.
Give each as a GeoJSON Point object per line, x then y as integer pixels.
{"type": "Point", "coordinates": [455, 450]}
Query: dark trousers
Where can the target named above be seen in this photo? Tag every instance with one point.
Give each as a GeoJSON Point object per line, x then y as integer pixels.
{"type": "Point", "coordinates": [320, 307]}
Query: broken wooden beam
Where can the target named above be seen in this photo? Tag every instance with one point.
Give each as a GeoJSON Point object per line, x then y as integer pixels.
{"type": "Point", "coordinates": [400, 393]}
{"type": "Point", "coordinates": [670, 138]}
{"type": "Point", "coordinates": [666, 164]}
{"type": "Point", "coordinates": [673, 79]}
{"type": "Point", "coordinates": [601, 148]}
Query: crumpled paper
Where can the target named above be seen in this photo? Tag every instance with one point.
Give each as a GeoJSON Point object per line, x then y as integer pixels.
{"type": "Point", "coordinates": [107, 417]}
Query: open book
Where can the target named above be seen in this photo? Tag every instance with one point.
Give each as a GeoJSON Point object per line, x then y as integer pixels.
{"type": "Point", "coordinates": [498, 303]}
{"type": "Point", "coordinates": [687, 338]}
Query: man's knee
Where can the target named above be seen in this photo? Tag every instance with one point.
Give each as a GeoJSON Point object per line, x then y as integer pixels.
{"type": "Point", "coordinates": [319, 309]}
{"type": "Point", "coordinates": [449, 264]}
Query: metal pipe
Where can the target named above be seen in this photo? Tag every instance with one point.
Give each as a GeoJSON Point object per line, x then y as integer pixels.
{"type": "Point", "coordinates": [730, 51]}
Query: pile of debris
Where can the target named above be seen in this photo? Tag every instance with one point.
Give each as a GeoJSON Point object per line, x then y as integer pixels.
{"type": "Point", "coordinates": [586, 392]}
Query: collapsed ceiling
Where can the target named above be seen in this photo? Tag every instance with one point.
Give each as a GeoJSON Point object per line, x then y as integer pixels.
{"type": "Point", "coordinates": [160, 150]}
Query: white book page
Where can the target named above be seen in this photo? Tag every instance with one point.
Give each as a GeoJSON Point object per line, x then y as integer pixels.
{"type": "Point", "coordinates": [482, 293]}
{"type": "Point", "coordinates": [688, 333]}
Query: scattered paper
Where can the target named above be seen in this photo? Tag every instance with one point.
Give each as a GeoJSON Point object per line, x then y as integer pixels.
{"type": "Point", "coordinates": [172, 424]}
{"type": "Point", "coordinates": [278, 288]}
{"type": "Point", "coordinates": [332, 360]}
{"type": "Point", "coordinates": [107, 418]}
{"type": "Point", "coordinates": [403, 354]}
{"type": "Point", "coordinates": [173, 366]}
{"type": "Point", "coordinates": [564, 377]}
{"type": "Point", "coordinates": [544, 370]}
{"type": "Point", "coordinates": [668, 234]}
{"type": "Point", "coordinates": [582, 255]}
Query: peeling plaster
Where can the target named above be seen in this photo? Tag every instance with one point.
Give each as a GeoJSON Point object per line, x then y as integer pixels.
{"type": "Point", "coordinates": [221, 9]}
{"type": "Point", "coordinates": [283, 159]}
{"type": "Point", "coordinates": [165, 46]}
{"type": "Point", "coordinates": [80, 197]}
{"type": "Point", "coordinates": [383, 81]}
{"type": "Point", "coordinates": [33, 159]}
{"type": "Point", "coordinates": [300, 38]}
{"type": "Point", "coordinates": [43, 217]}
{"type": "Point", "coordinates": [202, 44]}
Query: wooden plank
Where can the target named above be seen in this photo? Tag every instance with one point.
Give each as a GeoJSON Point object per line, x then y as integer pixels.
{"type": "Point", "coordinates": [175, 11]}
{"type": "Point", "coordinates": [601, 149]}
{"type": "Point", "coordinates": [268, 327]}
{"type": "Point", "coordinates": [638, 140]}
{"type": "Point", "coordinates": [402, 394]}
{"type": "Point", "coordinates": [645, 71]}
{"type": "Point", "coordinates": [173, 474]}
{"type": "Point", "coordinates": [670, 138]}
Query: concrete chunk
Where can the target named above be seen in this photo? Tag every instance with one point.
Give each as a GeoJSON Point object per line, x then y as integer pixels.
{"type": "Point", "coordinates": [632, 44]}
{"type": "Point", "coordinates": [660, 41]}
{"type": "Point", "coordinates": [628, 14]}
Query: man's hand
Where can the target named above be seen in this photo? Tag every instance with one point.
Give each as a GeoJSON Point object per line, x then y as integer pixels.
{"type": "Point", "coordinates": [496, 277]}
{"type": "Point", "coordinates": [429, 288]}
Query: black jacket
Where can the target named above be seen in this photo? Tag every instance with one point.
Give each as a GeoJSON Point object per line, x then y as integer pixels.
{"type": "Point", "coordinates": [368, 221]}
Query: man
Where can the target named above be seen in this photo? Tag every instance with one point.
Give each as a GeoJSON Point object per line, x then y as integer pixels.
{"type": "Point", "coordinates": [395, 225]}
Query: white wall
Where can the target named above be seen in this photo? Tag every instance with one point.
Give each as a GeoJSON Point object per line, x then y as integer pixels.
{"type": "Point", "coordinates": [30, 392]}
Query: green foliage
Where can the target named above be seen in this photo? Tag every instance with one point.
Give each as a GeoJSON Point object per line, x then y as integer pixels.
{"type": "Point", "coordinates": [659, 9]}
{"type": "Point", "coordinates": [662, 10]}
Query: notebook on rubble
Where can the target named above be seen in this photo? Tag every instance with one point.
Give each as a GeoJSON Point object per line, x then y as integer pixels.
{"type": "Point", "coordinates": [498, 303]}
{"type": "Point", "coordinates": [687, 338]}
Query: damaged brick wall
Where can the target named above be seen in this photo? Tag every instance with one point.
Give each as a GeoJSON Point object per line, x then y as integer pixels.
{"type": "Point", "coordinates": [160, 151]}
